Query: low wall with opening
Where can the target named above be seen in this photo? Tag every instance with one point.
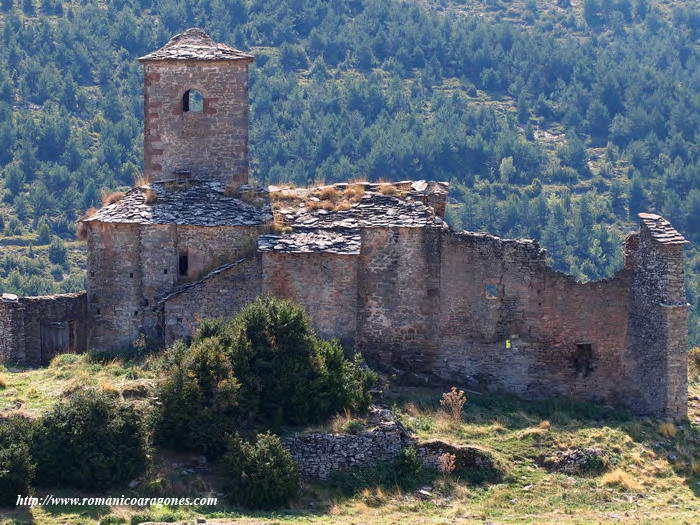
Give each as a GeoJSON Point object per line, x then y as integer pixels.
{"type": "Point", "coordinates": [35, 329]}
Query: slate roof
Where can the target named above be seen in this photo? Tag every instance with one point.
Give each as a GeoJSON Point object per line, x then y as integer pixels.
{"type": "Point", "coordinates": [373, 209]}
{"type": "Point", "coordinates": [196, 203]}
{"type": "Point", "coordinates": [312, 241]}
{"type": "Point", "coordinates": [661, 230]}
{"type": "Point", "coordinates": [195, 44]}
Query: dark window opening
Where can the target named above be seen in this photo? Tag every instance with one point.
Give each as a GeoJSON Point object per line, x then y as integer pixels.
{"type": "Point", "coordinates": [192, 101]}
{"type": "Point", "coordinates": [92, 274]}
{"type": "Point", "coordinates": [583, 359]}
{"type": "Point", "coordinates": [184, 264]}
{"type": "Point", "coordinates": [165, 272]}
{"type": "Point", "coordinates": [99, 311]}
{"type": "Point", "coordinates": [136, 313]}
{"type": "Point", "coordinates": [131, 274]}
{"type": "Point", "coordinates": [491, 291]}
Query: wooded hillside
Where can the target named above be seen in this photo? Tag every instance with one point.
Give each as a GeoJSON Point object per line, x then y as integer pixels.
{"type": "Point", "coordinates": [554, 120]}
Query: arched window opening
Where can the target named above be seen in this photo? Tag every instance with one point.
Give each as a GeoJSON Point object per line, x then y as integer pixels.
{"type": "Point", "coordinates": [192, 101]}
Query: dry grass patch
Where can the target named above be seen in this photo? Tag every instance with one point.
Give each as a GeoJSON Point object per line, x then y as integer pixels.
{"type": "Point", "coordinates": [668, 430]}
{"type": "Point", "coordinates": [150, 196]}
{"type": "Point", "coordinates": [354, 192]}
{"type": "Point", "coordinates": [329, 193]}
{"type": "Point", "coordinates": [286, 194]}
{"type": "Point", "coordinates": [387, 189]}
{"type": "Point", "coordinates": [320, 205]}
{"type": "Point", "coordinates": [620, 478]}
{"type": "Point", "coordinates": [111, 198]}
{"type": "Point", "coordinates": [3, 382]}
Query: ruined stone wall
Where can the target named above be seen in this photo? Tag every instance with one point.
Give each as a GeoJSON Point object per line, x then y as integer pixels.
{"type": "Point", "coordinates": [212, 144]}
{"type": "Point", "coordinates": [35, 329]}
{"type": "Point", "coordinates": [399, 296]}
{"type": "Point", "coordinates": [565, 338]}
{"type": "Point", "coordinates": [657, 355]}
{"type": "Point", "coordinates": [11, 329]}
{"type": "Point", "coordinates": [324, 283]}
{"type": "Point", "coordinates": [219, 295]}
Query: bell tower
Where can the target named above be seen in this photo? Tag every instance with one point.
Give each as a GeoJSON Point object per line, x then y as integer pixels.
{"type": "Point", "coordinates": [196, 110]}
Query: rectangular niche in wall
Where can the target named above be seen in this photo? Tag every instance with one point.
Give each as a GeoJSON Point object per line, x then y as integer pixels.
{"type": "Point", "coordinates": [583, 359]}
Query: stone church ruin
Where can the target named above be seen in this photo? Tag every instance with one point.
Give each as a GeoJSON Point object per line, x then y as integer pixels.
{"type": "Point", "coordinates": [374, 264]}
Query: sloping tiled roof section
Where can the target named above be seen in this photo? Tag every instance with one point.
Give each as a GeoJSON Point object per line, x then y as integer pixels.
{"type": "Point", "coordinates": [196, 203]}
{"type": "Point", "coordinates": [195, 44]}
{"type": "Point", "coordinates": [407, 208]}
{"type": "Point", "coordinates": [345, 242]}
{"type": "Point", "coordinates": [661, 230]}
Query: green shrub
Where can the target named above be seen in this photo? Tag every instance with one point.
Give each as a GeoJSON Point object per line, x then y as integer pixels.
{"type": "Point", "coordinates": [197, 398]}
{"type": "Point", "coordinates": [16, 465]}
{"type": "Point", "coordinates": [91, 441]}
{"type": "Point", "coordinates": [288, 372]}
{"type": "Point", "coordinates": [260, 474]}
{"type": "Point", "coordinates": [264, 368]}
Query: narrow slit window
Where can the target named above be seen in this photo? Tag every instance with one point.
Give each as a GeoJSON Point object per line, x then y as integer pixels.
{"type": "Point", "coordinates": [192, 101]}
{"type": "Point", "coordinates": [184, 264]}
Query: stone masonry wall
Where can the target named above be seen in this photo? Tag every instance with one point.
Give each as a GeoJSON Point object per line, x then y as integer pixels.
{"type": "Point", "coordinates": [11, 329]}
{"type": "Point", "coordinates": [35, 329]}
{"type": "Point", "coordinates": [132, 267]}
{"type": "Point", "coordinates": [212, 144]}
{"type": "Point", "coordinates": [399, 296]}
{"type": "Point", "coordinates": [495, 291]}
{"type": "Point", "coordinates": [321, 454]}
{"type": "Point", "coordinates": [219, 295]}
{"type": "Point", "coordinates": [114, 284]}
{"type": "Point", "coordinates": [658, 325]}
{"type": "Point", "coordinates": [324, 283]}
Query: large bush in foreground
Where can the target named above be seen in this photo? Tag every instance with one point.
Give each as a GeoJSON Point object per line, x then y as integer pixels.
{"type": "Point", "coordinates": [259, 474]}
{"type": "Point", "coordinates": [287, 373]}
{"type": "Point", "coordinates": [264, 368]}
{"type": "Point", "coordinates": [16, 465]}
{"type": "Point", "coordinates": [197, 397]}
{"type": "Point", "coordinates": [90, 441]}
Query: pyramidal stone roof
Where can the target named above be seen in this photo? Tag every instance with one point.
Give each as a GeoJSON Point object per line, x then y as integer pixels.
{"type": "Point", "coordinates": [661, 230]}
{"type": "Point", "coordinates": [195, 44]}
{"type": "Point", "coordinates": [195, 203]}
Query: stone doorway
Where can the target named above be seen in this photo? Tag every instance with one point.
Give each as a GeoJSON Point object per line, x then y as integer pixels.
{"type": "Point", "coordinates": [57, 337]}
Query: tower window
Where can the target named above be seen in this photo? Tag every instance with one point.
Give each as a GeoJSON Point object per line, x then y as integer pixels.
{"type": "Point", "coordinates": [184, 264]}
{"type": "Point", "coordinates": [491, 291]}
{"type": "Point", "coordinates": [192, 101]}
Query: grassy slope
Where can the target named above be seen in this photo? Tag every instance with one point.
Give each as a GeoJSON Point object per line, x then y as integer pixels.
{"type": "Point", "coordinates": [653, 478]}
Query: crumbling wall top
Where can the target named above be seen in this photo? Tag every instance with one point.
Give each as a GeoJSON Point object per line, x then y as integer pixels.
{"type": "Point", "coordinates": [660, 229]}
